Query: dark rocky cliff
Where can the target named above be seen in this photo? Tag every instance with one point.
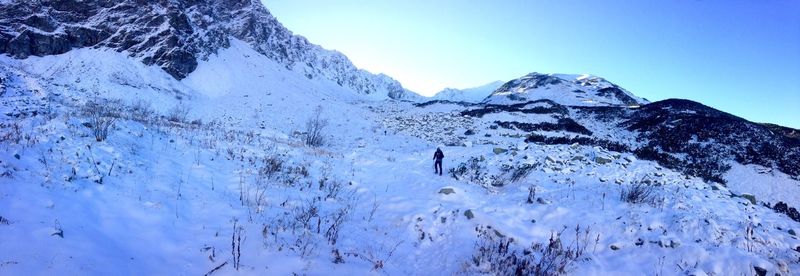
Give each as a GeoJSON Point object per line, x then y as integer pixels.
{"type": "Point", "coordinates": [175, 35]}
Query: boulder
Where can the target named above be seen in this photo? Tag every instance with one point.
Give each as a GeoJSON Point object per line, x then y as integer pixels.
{"type": "Point", "coordinates": [447, 191]}
{"type": "Point", "coordinates": [749, 197]}
{"type": "Point", "coordinates": [574, 145]}
{"type": "Point", "coordinates": [468, 213]}
{"type": "Point", "coordinates": [760, 271]}
{"type": "Point", "coordinates": [602, 160]}
{"type": "Point", "coordinates": [499, 150]}
{"type": "Point", "coordinates": [498, 234]}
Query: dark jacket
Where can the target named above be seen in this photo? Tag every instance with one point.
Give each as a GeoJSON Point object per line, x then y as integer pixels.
{"type": "Point", "coordinates": [439, 155]}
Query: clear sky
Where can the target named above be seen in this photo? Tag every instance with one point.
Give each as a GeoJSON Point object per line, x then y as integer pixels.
{"type": "Point", "coordinates": [739, 56]}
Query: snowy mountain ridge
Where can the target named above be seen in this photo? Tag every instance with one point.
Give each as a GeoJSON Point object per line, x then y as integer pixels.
{"type": "Point", "coordinates": [471, 95]}
{"type": "Point", "coordinates": [573, 90]}
{"type": "Point", "coordinates": [175, 35]}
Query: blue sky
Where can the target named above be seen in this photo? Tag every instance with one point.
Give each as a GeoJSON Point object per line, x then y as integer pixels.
{"type": "Point", "coordinates": [742, 57]}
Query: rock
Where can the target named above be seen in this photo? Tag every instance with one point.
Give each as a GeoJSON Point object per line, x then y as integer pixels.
{"type": "Point", "coordinates": [468, 213]}
{"type": "Point", "coordinates": [614, 247]}
{"type": "Point", "coordinates": [175, 35]}
{"type": "Point", "coordinates": [630, 158]}
{"type": "Point", "coordinates": [574, 145]}
{"type": "Point", "coordinates": [447, 191]}
{"type": "Point", "coordinates": [578, 158]}
{"type": "Point", "coordinates": [760, 271]}
{"type": "Point", "coordinates": [58, 232]}
{"type": "Point", "coordinates": [499, 150]}
{"type": "Point", "coordinates": [749, 197]}
{"type": "Point", "coordinates": [498, 234]}
{"type": "Point", "coordinates": [792, 232]}
{"type": "Point", "coordinates": [550, 159]}
{"type": "Point", "coordinates": [16, 155]}
{"type": "Point", "coordinates": [669, 244]}
{"type": "Point", "coordinates": [469, 132]}
{"type": "Point", "coordinates": [602, 160]}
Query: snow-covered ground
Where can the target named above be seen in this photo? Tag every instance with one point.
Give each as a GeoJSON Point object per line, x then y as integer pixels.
{"type": "Point", "coordinates": [767, 185]}
{"type": "Point", "coordinates": [232, 189]}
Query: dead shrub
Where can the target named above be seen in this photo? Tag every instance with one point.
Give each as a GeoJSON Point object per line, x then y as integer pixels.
{"type": "Point", "coordinates": [101, 116]}
{"type": "Point", "coordinates": [498, 255]}
{"type": "Point", "coordinates": [638, 193]}
{"type": "Point", "coordinates": [315, 129]}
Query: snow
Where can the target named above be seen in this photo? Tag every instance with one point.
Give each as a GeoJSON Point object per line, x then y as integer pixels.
{"type": "Point", "coordinates": [471, 95]}
{"type": "Point", "coordinates": [572, 90]}
{"type": "Point", "coordinates": [768, 185]}
{"type": "Point", "coordinates": [159, 197]}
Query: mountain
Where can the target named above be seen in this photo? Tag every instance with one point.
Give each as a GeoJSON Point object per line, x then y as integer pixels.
{"type": "Point", "coordinates": [697, 139]}
{"type": "Point", "coordinates": [471, 95]}
{"type": "Point", "coordinates": [574, 90]}
{"type": "Point", "coordinates": [175, 35]}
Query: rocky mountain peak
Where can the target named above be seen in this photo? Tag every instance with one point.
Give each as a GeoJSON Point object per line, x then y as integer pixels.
{"type": "Point", "coordinates": [175, 35]}
{"type": "Point", "coordinates": [574, 90]}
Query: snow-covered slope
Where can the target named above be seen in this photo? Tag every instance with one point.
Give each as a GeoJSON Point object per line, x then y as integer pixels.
{"type": "Point", "coordinates": [470, 95]}
{"type": "Point", "coordinates": [176, 35]}
{"type": "Point", "coordinates": [572, 90]}
{"type": "Point", "coordinates": [237, 192]}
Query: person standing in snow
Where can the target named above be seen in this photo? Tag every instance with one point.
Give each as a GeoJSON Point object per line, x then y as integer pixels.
{"type": "Point", "coordinates": [437, 164]}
